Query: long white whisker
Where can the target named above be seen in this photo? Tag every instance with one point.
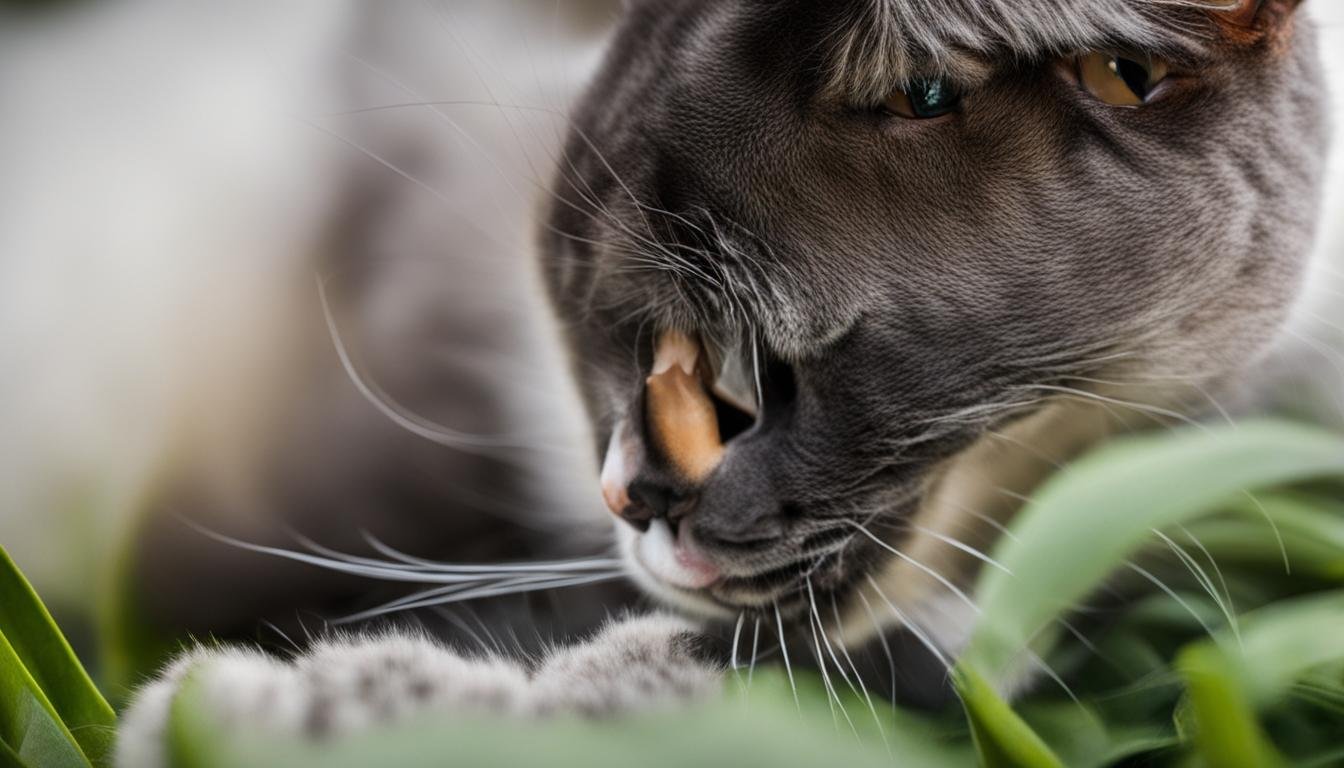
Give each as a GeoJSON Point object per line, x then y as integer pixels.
{"type": "Point", "coordinates": [1204, 581]}
{"type": "Point", "coordinates": [391, 572]}
{"type": "Point", "coordinates": [543, 566]}
{"type": "Point", "coordinates": [784, 649]}
{"type": "Point", "coordinates": [1278, 536]}
{"type": "Point", "coordinates": [914, 628]}
{"type": "Point", "coordinates": [937, 576]}
{"type": "Point", "coordinates": [839, 625]}
{"type": "Point", "coordinates": [494, 590]}
{"type": "Point", "coordinates": [964, 547]}
{"type": "Point", "coordinates": [1170, 593]}
{"type": "Point", "coordinates": [882, 638]}
{"type": "Point", "coordinates": [755, 644]}
{"type": "Point", "coordinates": [737, 636]}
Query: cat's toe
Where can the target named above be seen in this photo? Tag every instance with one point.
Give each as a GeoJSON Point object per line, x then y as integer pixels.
{"type": "Point", "coordinates": [632, 666]}
{"type": "Point", "coordinates": [360, 682]}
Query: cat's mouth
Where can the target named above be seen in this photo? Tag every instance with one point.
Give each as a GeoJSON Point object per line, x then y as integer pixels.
{"type": "Point", "coordinates": [670, 565]}
{"type": "Point", "coordinates": [669, 459]}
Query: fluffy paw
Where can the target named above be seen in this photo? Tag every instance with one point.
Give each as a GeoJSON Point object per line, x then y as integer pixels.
{"type": "Point", "coordinates": [631, 666]}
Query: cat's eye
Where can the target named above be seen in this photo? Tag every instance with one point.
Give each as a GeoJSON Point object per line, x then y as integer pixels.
{"type": "Point", "coordinates": [924, 99]}
{"type": "Point", "coordinates": [1121, 80]}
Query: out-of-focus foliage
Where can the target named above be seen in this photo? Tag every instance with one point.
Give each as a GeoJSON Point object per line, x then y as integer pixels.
{"type": "Point", "coordinates": [50, 712]}
{"type": "Point", "coordinates": [1225, 546]}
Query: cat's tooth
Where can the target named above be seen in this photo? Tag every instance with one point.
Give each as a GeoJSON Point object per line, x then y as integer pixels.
{"type": "Point", "coordinates": [680, 414]}
{"type": "Point", "coordinates": [675, 349]}
{"type": "Point", "coordinates": [735, 382]}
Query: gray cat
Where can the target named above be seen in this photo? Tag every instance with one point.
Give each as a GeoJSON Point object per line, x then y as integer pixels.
{"type": "Point", "coordinates": [841, 282]}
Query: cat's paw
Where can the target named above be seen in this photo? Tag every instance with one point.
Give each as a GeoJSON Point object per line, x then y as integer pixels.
{"type": "Point", "coordinates": [633, 665]}
{"type": "Point", "coordinates": [340, 686]}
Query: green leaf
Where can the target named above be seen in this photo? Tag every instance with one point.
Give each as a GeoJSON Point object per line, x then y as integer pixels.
{"type": "Point", "coordinates": [1225, 728]}
{"type": "Point", "coordinates": [1282, 642]}
{"type": "Point", "coordinates": [7, 757]}
{"type": "Point", "coordinates": [1002, 739]}
{"type": "Point", "coordinates": [36, 658]}
{"type": "Point", "coordinates": [1089, 518]}
{"type": "Point", "coordinates": [29, 725]}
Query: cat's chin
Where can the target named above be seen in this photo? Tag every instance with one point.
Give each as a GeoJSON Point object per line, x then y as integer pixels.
{"type": "Point", "coordinates": [652, 560]}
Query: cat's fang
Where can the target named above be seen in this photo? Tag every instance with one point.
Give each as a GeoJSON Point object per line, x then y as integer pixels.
{"type": "Point", "coordinates": [675, 348]}
{"type": "Point", "coordinates": [681, 418]}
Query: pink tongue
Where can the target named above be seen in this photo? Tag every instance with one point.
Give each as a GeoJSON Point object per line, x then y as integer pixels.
{"type": "Point", "coordinates": [700, 572]}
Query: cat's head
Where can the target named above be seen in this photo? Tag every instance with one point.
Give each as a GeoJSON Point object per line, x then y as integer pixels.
{"type": "Point", "coordinates": [807, 254]}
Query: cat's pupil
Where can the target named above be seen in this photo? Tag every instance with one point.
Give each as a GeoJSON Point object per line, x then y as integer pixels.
{"type": "Point", "coordinates": [1135, 75]}
{"type": "Point", "coordinates": [931, 98]}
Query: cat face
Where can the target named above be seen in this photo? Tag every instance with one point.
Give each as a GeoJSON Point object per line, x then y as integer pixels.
{"type": "Point", "coordinates": [806, 254]}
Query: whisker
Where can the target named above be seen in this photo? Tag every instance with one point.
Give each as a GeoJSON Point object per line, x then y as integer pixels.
{"type": "Point", "coordinates": [784, 649]}
{"type": "Point", "coordinates": [964, 547]}
{"type": "Point", "coordinates": [1202, 578]}
{"type": "Point", "coordinates": [444, 574]}
{"type": "Point", "coordinates": [547, 566]}
{"type": "Point", "coordinates": [1212, 563]}
{"type": "Point", "coordinates": [1151, 410]}
{"type": "Point", "coordinates": [882, 638]}
{"type": "Point", "coordinates": [478, 593]}
{"type": "Point", "coordinates": [755, 644]}
{"type": "Point", "coordinates": [941, 579]}
{"type": "Point", "coordinates": [1170, 593]}
{"type": "Point", "coordinates": [839, 624]}
{"type": "Point", "coordinates": [737, 635]}
{"type": "Point", "coordinates": [832, 697]}
{"type": "Point", "coordinates": [1274, 526]}
{"type": "Point", "coordinates": [914, 628]}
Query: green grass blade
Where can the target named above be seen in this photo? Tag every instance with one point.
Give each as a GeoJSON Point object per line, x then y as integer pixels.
{"type": "Point", "coordinates": [1225, 728]}
{"type": "Point", "coordinates": [8, 759]}
{"type": "Point", "coordinates": [1282, 642]}
{"type": "Point", "coordinates": [1002, 739]}
{"type": "Point", "coordinates": [45, 658]}
{"type": "Point", "coordinates": [29, 725]}
{"type": "Point", "coordinates": [1088, 519]}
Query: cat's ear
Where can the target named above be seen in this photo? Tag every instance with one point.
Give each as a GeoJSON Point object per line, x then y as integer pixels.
{"type": "Point", "coordinates": [1250, 21]}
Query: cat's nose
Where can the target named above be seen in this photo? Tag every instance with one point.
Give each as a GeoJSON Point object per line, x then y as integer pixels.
{"type": "Point", "coordinates": [656, 460]}
{"type": "Point", "coordinates": [635, 490]}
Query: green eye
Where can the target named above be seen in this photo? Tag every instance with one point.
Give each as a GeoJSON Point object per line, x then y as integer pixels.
{"type": "Point", "coordinates": [924, 99]}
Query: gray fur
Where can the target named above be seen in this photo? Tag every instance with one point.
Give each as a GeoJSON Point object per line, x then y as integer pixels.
{"type": "Point", "coordinates": [888, 41]}
{"type": "Point", "coordinates": [914, 285]}
{"type": "Point", "coordinates": [634, 666]}
{"type": "Point", "coordinates": [908, 288]}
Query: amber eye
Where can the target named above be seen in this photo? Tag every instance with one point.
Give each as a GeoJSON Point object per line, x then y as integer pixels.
{"type": "Point", "coordinates": [924, 99]}
{"type": "Point", "coordinates": [1121, 80]}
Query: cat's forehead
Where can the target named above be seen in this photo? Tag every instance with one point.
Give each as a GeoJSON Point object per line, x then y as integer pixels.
{"type": "Point", "coordinates": [878, 42]}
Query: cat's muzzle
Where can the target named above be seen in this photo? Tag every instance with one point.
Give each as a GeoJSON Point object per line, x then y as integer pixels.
{"type": "Point", "coordinates": [660, 457]}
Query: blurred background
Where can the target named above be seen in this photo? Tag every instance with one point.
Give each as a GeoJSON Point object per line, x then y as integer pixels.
{"type": "Point", "coordinates": [269, 267]}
